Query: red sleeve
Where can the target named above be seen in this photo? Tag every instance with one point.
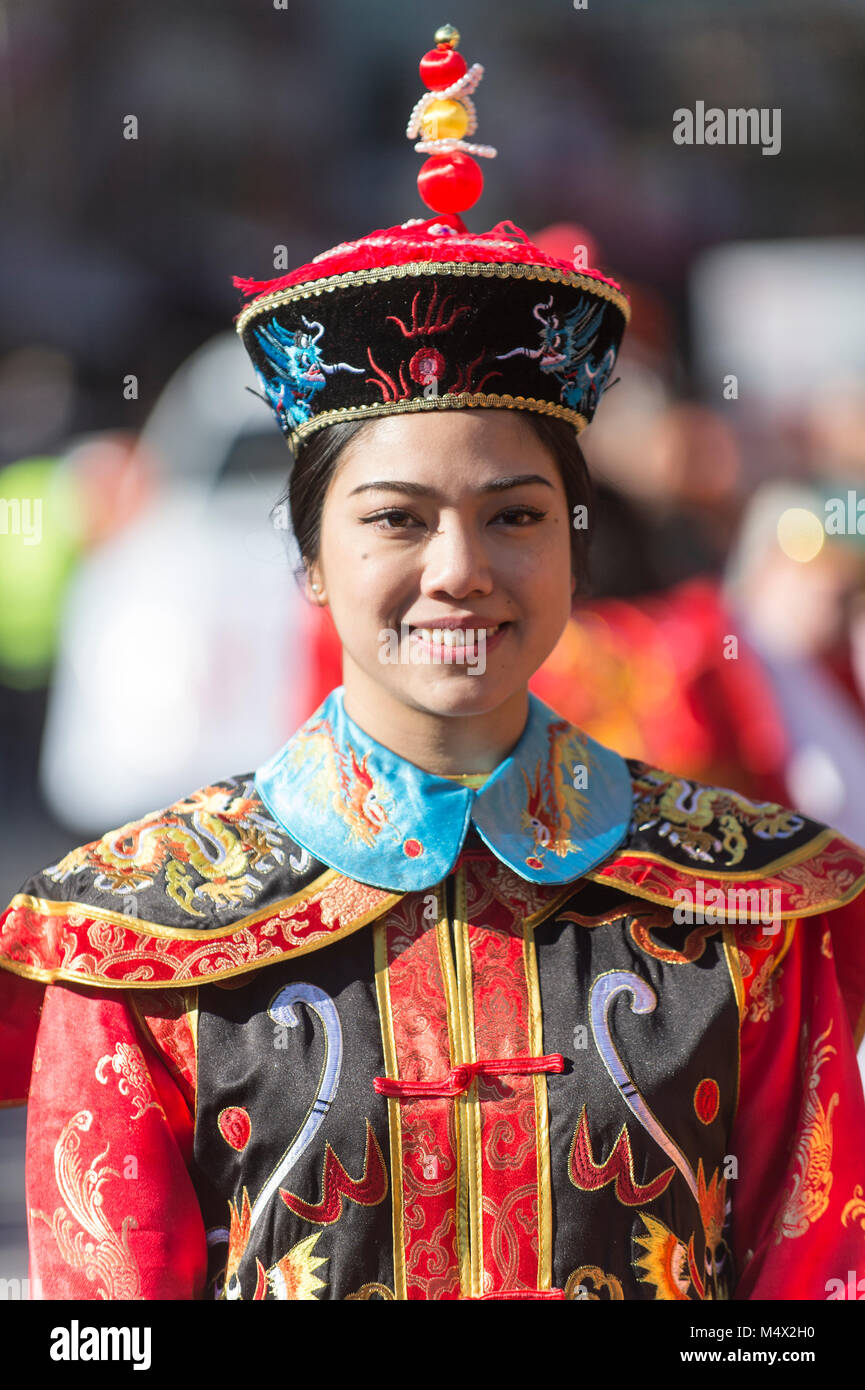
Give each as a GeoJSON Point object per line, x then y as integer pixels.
{"type": "Point", "coordinates": [798, 1217]}
{"type": "Point", "coordinates": [20, 1002]}
{"type": "Point", "coordinates": [111, 1209]}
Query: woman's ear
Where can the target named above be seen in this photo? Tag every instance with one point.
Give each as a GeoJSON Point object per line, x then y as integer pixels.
{"type": "Point", "coordinates": [314, 587]}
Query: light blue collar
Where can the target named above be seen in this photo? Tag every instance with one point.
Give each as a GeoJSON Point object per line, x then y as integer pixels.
{"type": "Point", "coordinates": [552, 810]}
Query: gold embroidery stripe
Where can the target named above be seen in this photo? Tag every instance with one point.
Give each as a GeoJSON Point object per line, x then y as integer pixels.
{"type": "Point", "coordinates": [734, 965]}
{"type": "Point", "coordinates": [455, 1046]}
{"type": "Point", "coordinates": [542, 1117]}
{"type": "Point", "coordinates": [191, 1001]}
{"type": "Point", "coordinates": [394, 1119]}
{"type": "Point", "coordinates": [468, 1101]}
{"type": "Point", "coordinates": [789, 930]}
{"type": "Point", "coordinates": [48, 907]}
{"type": "Point", "coordinates": [483, 399]}
{"type": "Point", "coordinates": [182, 979]}
{"type": "Point", "coordinates": [487, 270]}
{"type": "Point", "coordinates": [542, 1125]}
{"type": "Point", "coordinates": [549, 907]}
{"type": "Point", "coordinates": [770, 871]}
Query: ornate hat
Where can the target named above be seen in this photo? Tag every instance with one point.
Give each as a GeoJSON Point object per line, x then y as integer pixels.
{"type": "Point", "coordinates": [428, 315]}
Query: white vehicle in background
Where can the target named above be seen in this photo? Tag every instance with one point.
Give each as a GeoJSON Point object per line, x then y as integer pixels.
{"type": "Point", "coordinates": [184, 651]}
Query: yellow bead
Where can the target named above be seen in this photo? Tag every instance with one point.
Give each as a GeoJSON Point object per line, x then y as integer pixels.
{"type": "Point", "coordinates": [447, 34]}
{"type": "Point", "coordinates": [445, 120]}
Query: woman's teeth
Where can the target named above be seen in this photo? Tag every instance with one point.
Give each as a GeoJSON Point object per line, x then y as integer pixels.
{"type": "Point", "coordinates": [454, 636]}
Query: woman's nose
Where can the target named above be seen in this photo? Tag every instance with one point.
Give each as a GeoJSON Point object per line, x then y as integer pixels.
{"type": "Point", "coordinates": [457, 560]}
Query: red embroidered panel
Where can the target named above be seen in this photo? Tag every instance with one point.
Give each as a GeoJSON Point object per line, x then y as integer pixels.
{"type": "Point", "coordinates": [71, 941]}
{"type": "Point", "coordinates": [825, 873]}
{"type": "Point", "coordinates": [419, 1014]}
{"type": "Point", "coordinates": [508, 1151]}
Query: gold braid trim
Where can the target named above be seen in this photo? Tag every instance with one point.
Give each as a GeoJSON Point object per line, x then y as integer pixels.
{"type": "Point", "coordinates": [446, 402]}
{"type": "Point", "coordinates": [309, 289]}
{"type": "Point", "coordinates": [235, 950]}
{"type": "Point", "coordinates": [711, 876]}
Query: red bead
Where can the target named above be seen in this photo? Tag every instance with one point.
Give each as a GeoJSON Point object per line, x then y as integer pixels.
{"type": "Point", "coordinates": [450, 182]}
{"type": "Point", "coordinates": [441, 66]}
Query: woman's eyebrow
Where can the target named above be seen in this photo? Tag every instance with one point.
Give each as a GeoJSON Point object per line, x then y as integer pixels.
{"type": "Point", "coordinates": [418, 489]}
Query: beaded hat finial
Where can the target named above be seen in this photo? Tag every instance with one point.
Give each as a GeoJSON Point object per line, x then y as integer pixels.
{"type": "Point", "coordinates": [450, 180]}
{"type": "Point", "coordinates": [428, 315]}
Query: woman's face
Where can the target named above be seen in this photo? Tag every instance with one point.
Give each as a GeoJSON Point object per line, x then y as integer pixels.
{"type": "Point", "coordinates": [438, 517]}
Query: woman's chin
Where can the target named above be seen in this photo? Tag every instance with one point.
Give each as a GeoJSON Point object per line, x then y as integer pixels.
{"type": "Point", "coordinates": [457, 692]}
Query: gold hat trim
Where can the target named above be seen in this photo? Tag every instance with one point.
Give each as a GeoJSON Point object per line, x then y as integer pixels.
{"type": "Point", "coordinates": [489, 269]}
{"type": "Point", "coordinates": [447, 402]}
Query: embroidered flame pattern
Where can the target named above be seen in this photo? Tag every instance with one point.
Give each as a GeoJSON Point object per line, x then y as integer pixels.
{"type": "Point", "coordinates": [97, 1250]}
{"type": "Point", "coordinates": [367, 1190]}
{"type": "Point", "coordinates": [554, 806]}
{"type": "Point", "coordinates": [293, 1276]}
{"type": "Point", "coordinates": [618, 1168]}
{"type": "Point", "coordinates": [239, 1226]}
{"type": "Point", "coordinates": [345, 781]}
{"type": "Point", "coordinates": [666, 1263]}
{"type": "Point", "coordinates": [712, 1201]}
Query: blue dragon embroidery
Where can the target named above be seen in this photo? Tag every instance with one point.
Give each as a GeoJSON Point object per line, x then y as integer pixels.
{"type": "Point", "coordinates": [299, 370]}
{"type": "Point", "coordinates": [566, 352]}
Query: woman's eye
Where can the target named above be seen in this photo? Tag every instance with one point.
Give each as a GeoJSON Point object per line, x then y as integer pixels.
{"type": "Point", "coordinates": [531, 512]}
{"type": "Point", "coordinates": [394, 519]}
{"type": "Point", "coordinates": [381, 518]}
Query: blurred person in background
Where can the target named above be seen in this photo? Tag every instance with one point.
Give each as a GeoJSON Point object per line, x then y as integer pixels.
{"type": "Point", "coordinates": [52, 512]}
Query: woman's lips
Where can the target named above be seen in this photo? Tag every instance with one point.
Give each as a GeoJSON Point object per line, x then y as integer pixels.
{"type": "Point", "coordinates": [452, 645]}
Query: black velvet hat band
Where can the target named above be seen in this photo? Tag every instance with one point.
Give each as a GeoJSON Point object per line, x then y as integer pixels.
{"type": "Point", "coordinates": [434, 335]}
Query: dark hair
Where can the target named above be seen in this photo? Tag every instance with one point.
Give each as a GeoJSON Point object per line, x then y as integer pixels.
{"type": "Point", "coordinates": [315, 465]}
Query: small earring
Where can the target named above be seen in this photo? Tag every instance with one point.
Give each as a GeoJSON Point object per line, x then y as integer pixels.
{"type": "Point", "coordinates": [315, 588]}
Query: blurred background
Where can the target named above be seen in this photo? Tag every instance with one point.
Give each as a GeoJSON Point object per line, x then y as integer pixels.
{"type": "Point", "coordinates": [152, 637]}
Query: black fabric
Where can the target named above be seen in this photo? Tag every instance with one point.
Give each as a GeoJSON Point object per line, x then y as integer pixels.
{"type": "Point", "coordinates": [691, 1035]}
{"type": "Point", "coordinates": [180, 877]}
{"type": "Point", "coordinates": [688, 823]}
{"type": "Point", "coordinates": [514, 332]}
{"type": "Point", "coordinates": [241, 1064]}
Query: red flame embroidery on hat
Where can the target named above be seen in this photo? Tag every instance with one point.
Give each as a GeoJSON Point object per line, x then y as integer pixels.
{"type": "Point", "coordinates": [389, 391]}
{"type": "Point", "coordinates": [466, 384]}
{"type": "Point", "coordinates": [429, 326]}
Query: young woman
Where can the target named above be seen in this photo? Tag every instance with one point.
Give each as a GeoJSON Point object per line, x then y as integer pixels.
{"type": "Point", "coordinates": [447, 1000]}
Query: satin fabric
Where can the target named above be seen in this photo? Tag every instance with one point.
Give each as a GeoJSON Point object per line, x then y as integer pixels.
{"type": "Point", "coordinates": [365, 811]}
